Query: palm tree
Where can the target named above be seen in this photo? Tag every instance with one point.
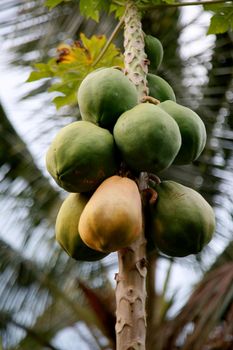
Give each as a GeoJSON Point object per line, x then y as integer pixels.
{"type": "Point", "coordinates": [43, 293]}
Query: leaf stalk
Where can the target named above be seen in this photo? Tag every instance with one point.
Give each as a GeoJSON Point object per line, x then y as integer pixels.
{"type": "Point", "coordinates": [109, 41]}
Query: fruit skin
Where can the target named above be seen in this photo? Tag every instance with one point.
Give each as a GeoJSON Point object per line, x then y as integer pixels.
{"type": "Point", "coordinates": [154, 52]}
{"type": "Point", "coordinates": [159, 88]}
{"type": "Point", "coordinates": [192, 129]}
{"type": "Point", "coordinates": [66, 229]}
{"type": "Point", "coordinates": [182, 222]}
{"type": "Point", "coordinates": [147, 139]}
{"type": "Point", "coordinates": [112, 219]}
{"type": "Point", "coordinates": [104, 95]}
{"type": "Point", "coordinates": [81, 156]}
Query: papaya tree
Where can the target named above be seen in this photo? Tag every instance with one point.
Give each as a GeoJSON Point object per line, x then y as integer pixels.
{"type": "Point", "coordinates": [163, 132]}
{"type": "Point", "coordinates": [160, 124]}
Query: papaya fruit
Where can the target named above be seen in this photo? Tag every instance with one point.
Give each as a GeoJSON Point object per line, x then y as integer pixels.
{"type": "Point", "coordinates": [112, 218]}
{"type": "Point", "coordinates": [159, 88]}
{"type": "Point", "coordinates": [154, 52]}
{"type": "Point", "coordinates": [147, 139]}
{"type": "Point", "coordinates": [81, 156]}
{"type": "Point", "coordinates": [104, 95]}
{"type": "Point", "coordinates": [182, 222]}
{"type": "Point", "coordinates": [192, 129]}
{"type": "Point", "coordinates": [66, 229]}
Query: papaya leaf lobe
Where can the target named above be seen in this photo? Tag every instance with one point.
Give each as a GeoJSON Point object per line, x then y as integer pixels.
{"type": "Point", "coordinates": [72, 64]}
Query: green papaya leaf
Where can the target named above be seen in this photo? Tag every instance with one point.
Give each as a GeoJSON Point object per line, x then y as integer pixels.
{"type": "Point", "coordinates": [72, 64]}
{"type": "Point", "coordinates": [221, 7]}
{"type": "Point", "coordinates": [212, 7]}
{"type": "Point", "coordinates": [92, 8]}
{"type": "Point", "coordinates": [218, 25]}
{"type": "Point", "coordinates": [118, 10]}
{"type": "Point", "coordinates": [88, 8]}
{"type": "Point", "coordinates": [61, 101]}
{"type": "Point", "coordinates": [222, 19]}
{"type": "Point", "coordinates": [43, 70]}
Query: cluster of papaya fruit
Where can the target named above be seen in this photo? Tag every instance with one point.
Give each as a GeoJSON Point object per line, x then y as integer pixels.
{"type": "Point", "coordinates": [103, 212]}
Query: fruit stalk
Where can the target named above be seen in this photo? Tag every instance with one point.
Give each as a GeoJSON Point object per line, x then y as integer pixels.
{"type": "Point", "coordinates": [131, 279]}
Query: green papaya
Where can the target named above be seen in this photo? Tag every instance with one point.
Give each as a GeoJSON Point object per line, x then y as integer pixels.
{"type": "Point", "coordinates": [192, 129]}
{"type": "Point", "coordinates": [104, 95]}
{"type": "Point", "coordinates": [66, 229]}
{"type": "Point", "coordinates": [182, 222]}
{"type": "Point", "coordinates": [154, 52]}
{"type": "Point", "coordinates": [159, 88]}
{"type": "Point", "coordinates": [81, 156]}
{"type": "Point", "coordinates": [112, 218]}
{"type": "Point", "coordinates": [148, 140]}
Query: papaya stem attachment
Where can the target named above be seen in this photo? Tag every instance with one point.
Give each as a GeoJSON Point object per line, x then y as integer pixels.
{"type": "Point", "coordinates": [150, 99]}
{"type": "Point", "coordinates": [119, 68]}
{"type": "Point", "coordinates": [150, 195]}
{"type": "Point", "coordinates": [154, 178]}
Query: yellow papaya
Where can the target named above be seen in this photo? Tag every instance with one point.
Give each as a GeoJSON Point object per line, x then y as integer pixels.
{"type": "Point", "coordinates": [181, 221]}
{"type": "Point", "coordinates": [104, 95]}
{"type": "Point", "coordinates": [192, 130]}
{"type": "Point", "coordinates": [81, 156]}
{"type": "Point", "coordinates": [112, 218]}
{"type": "Point", "coordinates": [147, 137]}
{"type": "Point", "coordinates": [66, 229]}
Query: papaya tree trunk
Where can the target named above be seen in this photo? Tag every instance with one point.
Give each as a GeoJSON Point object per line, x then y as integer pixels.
{"type": "Point", "coordinates": [135, 59]}
{"type": "Point", "coordinates": [131, 278]}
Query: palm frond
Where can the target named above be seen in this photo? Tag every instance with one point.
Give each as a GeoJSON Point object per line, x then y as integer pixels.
{"type": "Point", "coordinates": [18, 167]}
{"type": "Point", "coordinates": [223, 258]}
{"type": "Point", "coordinates": [104, 308]}
{"type": "Point", "coordinates": [38, 294]}
{"type": "Point", "coordinates": [209, 307]}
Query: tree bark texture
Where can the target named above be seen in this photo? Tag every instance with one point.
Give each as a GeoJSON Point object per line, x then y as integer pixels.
{"type": "Point", "coordinates": [131, 279]}
{"type": "Point", "coordinates": [135, 59]}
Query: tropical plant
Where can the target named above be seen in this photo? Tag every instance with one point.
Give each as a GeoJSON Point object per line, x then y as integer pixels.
{"type": "Point", "coordinates": [43, 292]}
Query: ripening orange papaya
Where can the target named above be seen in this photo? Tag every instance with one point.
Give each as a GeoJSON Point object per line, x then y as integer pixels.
{"type": "Point", "coordinates": [112, 218]}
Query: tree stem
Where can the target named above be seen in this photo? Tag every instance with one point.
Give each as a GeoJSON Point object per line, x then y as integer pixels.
{"type": "Point", "coordinates": [136, 62]}
{"type": "Point", "coordinates": [131, 279]}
